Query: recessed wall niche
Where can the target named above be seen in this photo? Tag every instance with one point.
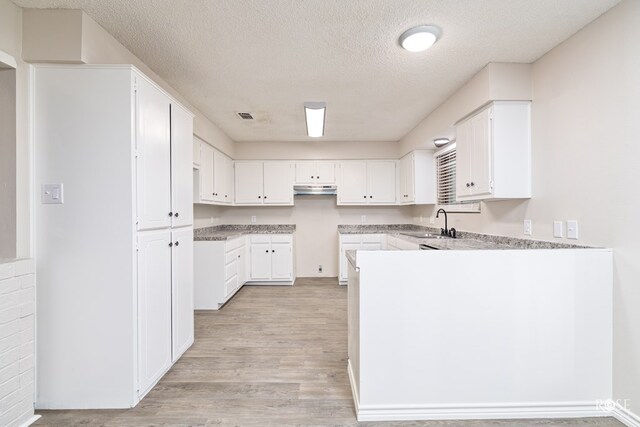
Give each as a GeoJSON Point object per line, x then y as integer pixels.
{"type": "Point", "coordinates": [7, 157]}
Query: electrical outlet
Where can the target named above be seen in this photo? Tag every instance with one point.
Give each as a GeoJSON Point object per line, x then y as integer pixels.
{"type": "Point", "coordinates": [363, 219]}
{"type": "Point", "coordinates": [320, 268]}
{"type": "Point", "coordinates": [210, 220]}
{"type": "Point", "coordinates": [421, 219]}
{"type": "Point", "coordinates": [253, 218]}
{"type": "Point", "coordinates": [528, 227]}
{"type": "Point", "coordinates": [572, 229]}
{"type": "Point", "coordinates": [432, 220]}
{"type": "Point", "coordinates": [558, 229]}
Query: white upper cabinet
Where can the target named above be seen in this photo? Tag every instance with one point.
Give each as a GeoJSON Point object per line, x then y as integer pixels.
{"type": "Point", "coordinates": [278, 183]}
{"type": "Point", "coordinates": [381, 182]}
{"type": "Point", "coordinates": [154, 157]}
{"type": "Point", "coordinates": [214, 177]}
{"type": "Point", "coordinates": [493, 153]}
{"type": "Point", "coordinates": [352, 182]}
{"type": "Point", "coordinates": [196, 153]}
{"type": "Point", "coordinates": [367, 182]}
{"type": "Point", "coordinates": [315, 172]}
{"type": "Point", "coordinates": [417, 178]}
{"type": "Point", "coordinates": [248, 183]}
{"type": "Point", "coordinates": [181, 167]}
{"type": "Point", "coordinates": [263, 183]}
{"type": "Point", "coordinates": [205, 174]}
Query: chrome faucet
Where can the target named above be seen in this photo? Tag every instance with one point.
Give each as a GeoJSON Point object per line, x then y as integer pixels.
{"type": "Point", "coordinates": [445, 231]}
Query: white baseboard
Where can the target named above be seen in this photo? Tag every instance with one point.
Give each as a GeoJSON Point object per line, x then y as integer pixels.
{"type": "Point", "coordinates": [268, 284]}
{"type": "Point", "coordinates": [31, 420]}
{"type": "Point", "coordinates": [625, 416]}
{"type": "Point", "coordinates": [479, 412]}
{"type": "Point", "coordinates": [354, 388]}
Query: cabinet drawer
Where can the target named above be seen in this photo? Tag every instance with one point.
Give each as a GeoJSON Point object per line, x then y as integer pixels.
{"type": "Point", "coordinates": [230, 270]}
{"type": "Point", "coordinates": [281, 238]}
{"type": "Point", "coordinates": [260, 238]}
{"type": "Point", "coordinates": [372, 238]}
{"type": "Point", "coordinates": [233, 244]}
{"type": "Point", "coordinates": [350, 238]}
{"type": "Point", "coordinates": [232, 256]}
{"type": "Point", "coordinates": [231, 285]}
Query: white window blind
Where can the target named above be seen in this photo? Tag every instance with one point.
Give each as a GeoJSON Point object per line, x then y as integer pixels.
{"type": "Point", "coordinates": [446, 169]}
{"type": "Point", "coordinates": [446, 175]}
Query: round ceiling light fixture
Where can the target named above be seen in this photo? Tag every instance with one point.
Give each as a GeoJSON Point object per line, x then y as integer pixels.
{"type": "Point", "coordinates": [418, 39]}
{"type": "Point", "coordinates": [441, 142]}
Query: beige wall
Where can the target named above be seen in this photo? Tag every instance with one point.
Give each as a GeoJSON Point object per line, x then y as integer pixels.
{"type": "Point", "coordinates": [317, 150]}
{"type": "Point", "coordinates": [316, 219]}
{"type": "Point", "coordinates": [586, 157]}
{"type": "Point", "coordinates": [7, 163]}
{"type": "Point", "coordinates": [495, 82]}
{"type": "Point", "coordinates": [57, 35]}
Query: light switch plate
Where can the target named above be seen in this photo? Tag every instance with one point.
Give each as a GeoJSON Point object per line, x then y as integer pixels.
{"type": "Point", "coordinates": [572, 229]}
{"type": "Point", "coordinates": [528, 227]}
{"type": "Point", "coordinates": [558, 230]}
{"type": "Point", "coordinates": [52, 194]}
{"type": "Point", "coordinates": [363, 219]}
{"type": "Point", "coordinates": [253, 218]}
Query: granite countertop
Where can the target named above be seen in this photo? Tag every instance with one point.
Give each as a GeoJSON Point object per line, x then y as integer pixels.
{"type": "Point", "coordinates": [227, 232]}
{"type": "Point", "coordinates": [464, 241]}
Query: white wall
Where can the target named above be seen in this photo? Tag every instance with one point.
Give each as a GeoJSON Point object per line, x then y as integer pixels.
{"type": "Point", "coordinates": [586, 151]}
{"type": "Point", "coordinates": [317, 150]}
{"type": "Point", "coordinates": [316, 219]}
{"type": "Point", "coordinates": [61, 35]}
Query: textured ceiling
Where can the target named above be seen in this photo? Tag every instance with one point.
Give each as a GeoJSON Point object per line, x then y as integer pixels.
{"type": "Point", "coordinates": [270, 56]}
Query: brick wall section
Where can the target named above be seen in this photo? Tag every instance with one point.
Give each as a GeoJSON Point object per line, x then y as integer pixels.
{"type": "Point", "coordinates": [17, 307]}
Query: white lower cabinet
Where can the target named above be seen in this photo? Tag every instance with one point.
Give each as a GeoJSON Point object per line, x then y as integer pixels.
{"type": "Point", "coordinates": [271, 258]}
{"type": "Point", "coordinates": [220, 269]}
{"type": "Point", "coordinates": [182, 291]}
{"type": "Point", "coordinates": [348, 242]}
{"type": "Point", "coordinates": [154, 307]}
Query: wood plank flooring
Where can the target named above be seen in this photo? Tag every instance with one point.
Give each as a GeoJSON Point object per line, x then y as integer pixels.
{"type": "Point", "coordinates": [273, 356]}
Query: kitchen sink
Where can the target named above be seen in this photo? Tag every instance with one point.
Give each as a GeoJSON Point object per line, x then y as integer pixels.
{"type": "Point", "coordinates": [422, 235]}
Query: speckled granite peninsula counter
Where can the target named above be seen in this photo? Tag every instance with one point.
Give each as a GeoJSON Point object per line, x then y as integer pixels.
{"type": "Point", "coordinates": [227, 232]}
{"type": "Point", "coordinates": [464, 241]}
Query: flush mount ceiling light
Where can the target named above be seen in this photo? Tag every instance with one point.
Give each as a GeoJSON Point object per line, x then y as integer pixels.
{"type": "Point", "coordinates": [419, 38]}
{"type": "Point", "coordinates": [314, 113]}
{"type": "Point", "coordinates": [441, 142]}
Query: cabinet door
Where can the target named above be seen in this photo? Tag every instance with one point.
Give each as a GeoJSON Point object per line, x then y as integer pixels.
{"type": "Point", "coordinates": [480, 160]}
{"type": "Point", "coordinates": [278, 183]}
{"type": "Point", "coordinates": [196, 152]}
{"type": "Point", "coordinates": [281, 261]}
{"type": "Point", "coordinates": [154, 306]}
{"type": "Point", "coordinates": [219, 176]}
{"type": "Point", "coordinates": [242, 266]}
{"type": "Point", "coordinates": [154, 157]}
{"type": "Point", "coordinates": [305, 172]}
{"type": "Point", "coordinates": [181, 167]}
{"type": "Point", "coordinates": [248, 183]}
{"type": "Point", "coordinates": [344, 263]}
{"type": "Point", "coordinates": [352, 182]}
{"type": "Point", "coordinates": [325, 172]}
{"type": "Point", "coordinates": [381, 178]}
{"type": "Point", "coordinates": [206, 172]}
{"type": "Point", "coordinates": [260, 261]}
{"type": "Point", "coordinates": [464, 142]}
{"type": "Point", "coordinates": [407, 179]}
{"type": "Point", "coordinates": [228, 188]}
{"type": "Point", "coordinates": [182, 295]}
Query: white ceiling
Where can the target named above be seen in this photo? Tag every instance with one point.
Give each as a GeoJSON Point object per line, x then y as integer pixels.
{"type": "Point", "coordinates": [270, 56]}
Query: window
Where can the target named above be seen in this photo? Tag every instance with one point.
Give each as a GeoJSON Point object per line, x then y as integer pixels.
{"type": "Point", "coordinates": [446, 177]}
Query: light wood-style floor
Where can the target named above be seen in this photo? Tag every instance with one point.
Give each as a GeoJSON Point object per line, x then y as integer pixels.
{"type": "Point", "coordinates": [273, 356]}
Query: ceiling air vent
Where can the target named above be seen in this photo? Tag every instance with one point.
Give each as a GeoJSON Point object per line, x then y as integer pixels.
{"type": "Point", "coordinates": [245, 116]}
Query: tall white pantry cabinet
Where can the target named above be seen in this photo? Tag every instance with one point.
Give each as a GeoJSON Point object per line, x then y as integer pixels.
{"type": "Point", "coordinates": [114, 251]}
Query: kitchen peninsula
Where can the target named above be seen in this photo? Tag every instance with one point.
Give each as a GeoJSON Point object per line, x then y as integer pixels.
{"type": "Point", "coordinates": [468, 334]}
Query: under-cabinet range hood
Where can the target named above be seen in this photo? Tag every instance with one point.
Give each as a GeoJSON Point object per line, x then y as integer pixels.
{"type": "Point", "coordinates": [315, 190]}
